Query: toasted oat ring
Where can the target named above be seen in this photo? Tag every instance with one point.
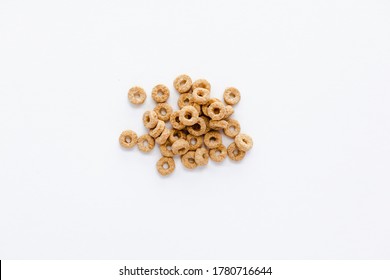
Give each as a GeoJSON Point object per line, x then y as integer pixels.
{"type": "Point", "coordinates": [212, 139]}
{"type": "Point", "coordinates": [128, 139]}
{"type": "Point", "coordinates": [150, 119]}
{"type": "Point", "coordinates": [185, 99]}
{"type": "Point", "coordinates": [221, 124]}
{"type": "Point", "coordinates": [145, 139]}
{"type": "Point", "coordinates": [216, 111]}
{"type": "Point", "coordinates": [156, 132]}
{"type": "Point", "coordinates": [201, 156]}
{"type": "Point", "coordinates": [136, 95]}
{"type": "Point", "coordinates": [164, 136]}
{"type": "Point", "coordinates": [165, 165]}
{"type": "Point", "coordinates": [166, 149]}
{"type": "Point", "coordinates": [188, 115]}
{"type": "Point", "coordinates": [194, 142]}
{"type": "Point", "coordinates": [182, 83]}
{"type": "Point", "coordinates": [200, 95]}
{"type": "Point", "coordinates": [206, 106]}
{"type": "Point", "coordinates": [229, 111]}
{"type": "Point", "coordinates": [175, 121]}
{"type": "Point", "coordinates": [199, 128]}
{"type": "Point", "coordinates": [180, 147]}
{"type": "Point", "coordinates": [244, 142]}
{"type": "Point", "coordinates": [231, 96]}
{"type": "Point", "coordinates": [235, 153]}
{"type": "Point", "coordinates": [233, 128]}
{"type": "Point", "coordinates": [176, 135]}
{"type": "Point", "coordinates": [163, 111]}
{"type": "Point", "coordinates": [188, 160]}
{"type": "Point", "coordinates": [196, 106]}
{"type": "Point", "coordinates": [160, 93]}
{"type": "Point", "coordinates": [218, 154]}
{"type": "Point", "coordinates": [207, 122]}
{"type": "Point", "coordinates": [201, 83]}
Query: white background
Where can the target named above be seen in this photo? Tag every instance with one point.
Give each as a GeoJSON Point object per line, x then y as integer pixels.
{"type": "Point", "coordinates": [314, 78]}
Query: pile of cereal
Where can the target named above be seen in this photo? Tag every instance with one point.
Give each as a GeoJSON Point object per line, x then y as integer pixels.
{"type": "Point", "coordinates": [194, 131]}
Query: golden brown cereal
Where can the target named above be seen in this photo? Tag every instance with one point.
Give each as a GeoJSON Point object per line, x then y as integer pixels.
{"type": "Point", "coordinates": [231, 96]}
{"type": "Point", "coordinates": [156, 132]}
{"type": "Point", "coordinates": [180, 147]}
{"type": "Point", "coordinates": [195, 142]}
{"type": "Point", "coordinates": [229, 111]}
{"type": "Point", "coordinates": [196, 106]}
{"type": "Point", "coordinates": [163, 111]}
{"type": "Point", "coordinates": [199, 128]}
{"type": "Point", "coordinates": [216, 111]}
{"type": "Point", "coordinates": [166, 149]}
{"type": "Point", "coordinates": [175, 121]}
{"type": "Point", "coordinates": [200, 96]}
{"type": "Point", "coordinates": [160, 93]}
{"type": "Point", "coordinates": [136, 95]}
{"type": "Point", "coordinates": [185, 99]}
{"type": "Point", "coordinates": [212, 139]}
{"type": "Point", "coordinates": [207, 122]}
{"type": "Point", "coordinates": [234, 152]}
{"type": "Point", "coordinates": [128, 139]}
{"type": "Point", "coordinates": [201, 156]}
{"type": "Point", "coordinates": [201, 83]}
{"type": "Point", "coordinates": [188, 160]}
{"type": "Point", "coordinates": [233, 128]}
{"type": "Point", "coordinates": [176, 135]}
{"type": "Point", "coordinates": [244, 142]}
{"type": "Point", "coordinates": [145, 143]}
{"type": "Point", "coordinates": [150, 119]}
{"type": "Point", "coordinates": [165, 165]}
{"type": "Point", "coordinates": [222, 124]}
{"type": "Point", "coordinates": [164, 136]}
{"type": "Point", "coordinates": [182, 83]}
{"type": "Point", "coordinates": [218, 154]}
{"type": "Point", "coordinates": [188, 115]}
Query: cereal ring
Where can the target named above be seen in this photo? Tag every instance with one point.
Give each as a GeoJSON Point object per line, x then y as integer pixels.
{"type": "Point", "coordinates": [233, 128]}
{"type": "Point", "coordinates": [182, 83]}
{"type": "Point", "coordinates": [199, 128]}
{"type": "Point", "coordinates": [150, 119]}
{"type": "Point", "coordinates": [180, 147]}
{"type": "Point", "coordinates": [188, 160]}
{"type": "Point", "coordinates": [166, 149]}
{"type": "Point", "coordinates": [145, 143]}
{"type": "Point", "coordinates": [160, 93]}
{"type": "Point", "coordinates": [196, 106]}
{"type": "Point", "coordinates": [231, 96]}
{"type": "Point", "coordinates": [222, 124]}
{"type": "Point", "coordinates": [128, 139]}
{"type": "Point", "coordinates": [185, 99]}
{"type": "Point", "coordinates": [136, 95]}
{"type": "Point", "coordinates": [200, 95]}
{"type": "Point", "coordinates": [163, 111]}
{"type": "Point", "coordinates": [165, 165]}
{"type": "Point", "coordinates": [244, 142]}
{"type": "Point", "coordinates": [207, 122]}
{"type": "Point", "coordinates": [156, 132]}
{"type": "Point", "coordinates": [219, 153]}
{"type": "Point", "coordinates": [175, 121]}
{"type": "Point", "coordinates": [216, 111]}
{"type": "Point", "coordinates": [212, 139]}
{"type": "Point", "coordinates": [164, 136]}
{"type": "Point", "coordinates": [201, 83]}
{"type": "Point", "coordinates": [194, 142]}
{"type": "Point", "coordinates": [188, 115]}
{"type": "Point", "coordinates": [234, 152]}
{"type": "Point", "coordinates": [229, 111]}
{"type": "Point", "coordinates": [201, 156]}
{"type": "Point", "coordinates": [176, 135]}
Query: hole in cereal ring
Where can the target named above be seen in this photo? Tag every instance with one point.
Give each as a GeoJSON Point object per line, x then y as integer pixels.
{"type": "Point", "coordinates": [137, 95]}
{"type": "Point", "coordinates": [165, 166]}
{"type": "Point", "coordinates": [235, 152]}
{"type": "Point", "coordinates": [159, 94]}
{"type": "Point", "coordinates": [191, 160]}
{"type": "Point", "coordinates": [182, 150]}
{"type": "Point", "coordinates": [213, 139]}
{"type": "Point", "coordinates": [169, 147]}
{"type": "Point", "coordinates": [183, 82]}
{"type": "Point", "coordinates": [193, 141]}
{"type": "Point", "coordinates": [128, 139]}
{"type": "Point", "coordinates": [232, 128]}
{"type": "Point", "coordinates": [196, 127]}
{"type": "Point", "coordinates": [163, 111]}
{"type": "Point", "coordinates": [146, 143]}
{"type": "Point", "coordinates": [216, 111]}
{"type": "Point", "coordinates": [232, 95]}
{"type": "Point", "coordinates": [217, 152]}
{"type": "Point", "coordinates": [147, 118]}
{"type": "Point", "coordinates": [186, 101]}
{"type": "Point", "coordinates": [188, 116]}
